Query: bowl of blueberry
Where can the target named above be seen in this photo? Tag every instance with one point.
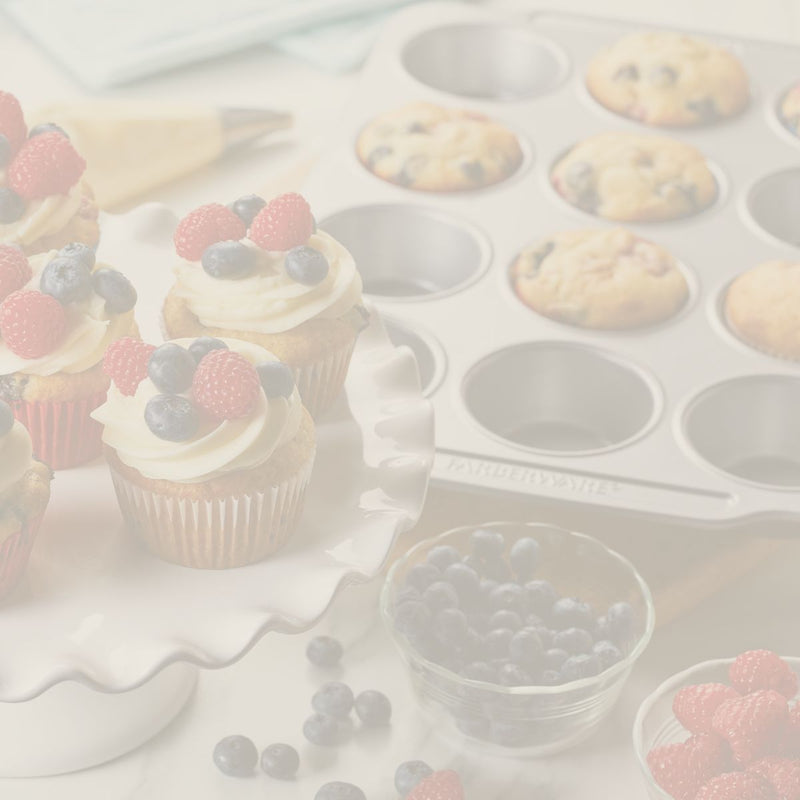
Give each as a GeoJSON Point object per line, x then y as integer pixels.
{"type": "Point", "coordinates": [521, 635]}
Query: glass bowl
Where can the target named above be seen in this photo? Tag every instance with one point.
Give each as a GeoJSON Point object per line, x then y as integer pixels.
{"type": "Point", "coordinates": [529, 721]}
{"type": "Point", "coordinates": [655, 723]}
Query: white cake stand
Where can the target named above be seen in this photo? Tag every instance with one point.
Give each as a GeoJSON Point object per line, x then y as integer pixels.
{"type": "Point", "coordinates": [99, 647]}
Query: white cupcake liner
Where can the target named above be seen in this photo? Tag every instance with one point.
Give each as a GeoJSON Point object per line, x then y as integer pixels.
{"type": "Point", "coordinates": [321, 383]}
{"type": "Point", "coordinates": [217, 533]}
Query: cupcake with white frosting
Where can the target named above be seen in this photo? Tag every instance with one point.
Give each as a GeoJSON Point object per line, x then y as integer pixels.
{"type": "Point", "coordinates": [44, 202]}
{"type": "Point", "coordinates": [24, 494]}
{"type": "Point", "coordinates": [59, 311]}
{"type": "Point", "coordinates": [262, 272]}
{"type": "Point", "coordinates": [210, 448]}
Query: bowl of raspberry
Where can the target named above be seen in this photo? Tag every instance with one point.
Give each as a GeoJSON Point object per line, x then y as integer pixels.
{"type": "Point", "coordinates": [517, 636]}
{"type": "Point", "coordinates": [723, 730]}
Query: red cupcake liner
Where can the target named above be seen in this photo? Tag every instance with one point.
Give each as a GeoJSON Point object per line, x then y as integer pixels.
{"type": "Point", "coordinates": [62, 433]}
{"type": "Point", "coordinates": [15, 552]}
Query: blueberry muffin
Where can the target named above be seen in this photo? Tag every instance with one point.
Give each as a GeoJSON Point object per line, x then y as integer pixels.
{"type": "Point", "coordinates": [429, 148]}
{"type": "Point", "coordinates": [790, 109]}
{"type": "Point", "coordinates": [763, 308]}
{"type": "Point", "coordinates": [604, 279]}
{"type": "Point", "coordinates": [631, 177]}
{"type": "Point", "coordinates": [664, 78]}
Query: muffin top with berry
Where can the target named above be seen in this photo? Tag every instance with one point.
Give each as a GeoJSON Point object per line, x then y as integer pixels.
{"type": "Point", "coordinates": [60, 310]}
{"type": "Point", "coordinates": [195, 409]}
{"type": "Point", "coordinates": [262, 267]}
{"type": "Point", "coordinates": [40, 173]}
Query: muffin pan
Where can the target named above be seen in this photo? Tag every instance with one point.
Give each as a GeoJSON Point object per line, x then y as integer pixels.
{"type": "Point", "coordinates": [679, 419]}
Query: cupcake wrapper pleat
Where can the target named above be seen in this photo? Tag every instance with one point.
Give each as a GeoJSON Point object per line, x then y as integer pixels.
{"type": "Point", "coordinates": [217, 533]}
{"type": "Point", "coordinates": [63, 434]}
{"type": "Point", "coordinates": [321, 383]}
{"type": "Point", "coordinates": [15, 553]}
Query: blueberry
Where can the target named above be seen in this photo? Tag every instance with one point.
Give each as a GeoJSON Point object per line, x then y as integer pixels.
{"type": "Point", "coordinates": [540, 597]}
{"type": "Point", "coordinates": [569, 612]}
{"type": "Point", "coordinates": [407, 594]}
{"type": "Point", "coordinates": [465, 581]}
{"type": "Point", "coordinates": [582, 666]}
{"type": "Point", "coordinates": [171, 368]}
{"type": "Point", "coordinates": [409, 776]}
{"type": "Point", "coordinates": [444, 556]}
{"type": "Point", "coordinates": [496, 643]}
{"type": "Point", "coordinates": [115, 289]}
{"type": "Point", "coordinates": [474, 563]}
{"type": "Point", "coordinates": [505, 619]}
{"type": "Point", "coordinates": [5, 150]}
{"type": "Point", "coordinates": [470, 649]}
{"type": "Point", "coordinates": [544, 633]}
{"type": "Point", "coordinates": [497, 570]}
{"type": "Point", "coordinates": [78, 251]}
{"type": "Point", "coordinates": [171, 417]}
{"type": "Point", "coordinates": [479, 621]}
{"type": "Point", "coordinates": [573, 640]}
{"type": "Point", "coordinates": [66, 279]}
{"type": "Point", "coordinates": [236, 756]}
{"type": "Point", "coordinates": [488, 585]}
{"type": "Point", "coordinates": [608, 654]}
{"type": "Point", "coordinates": [306, 265]}
{"type": "Point", "coordinates": [508, 597]}
{"type": "Point", "coordinates": [551, 677]}
{"type": "Point", "coordinates": [6, 418]}
{"type": "Point", "coordinates": [453, 627]}
{"type": "Point", "coordinates": [12, 206]}
{"type": "Point", "coordinates": [280, 761]}
{"type": "Point", "coordinates": [602, 630]}
{"type": "Point", "coordinates": [413, 619]}
{"type": "Point", "coordinates": [201, 347]}
{"type": "Point", "coordinates": [322, 730]}
{"type": "Point", "coordinates": [373, 708]}
{"type": "Point", "coordinates": [440, 595]}
{"type": "Point", "coordinates": [46, 127]}
{"type": "Point", "coordinates": [475, 726]}
{"type": "Point", "coordinates": [479, 671]}
{"type": "Point", "coordinates": [324, 651]}
{"type": "Point", "coordinates": [421, 576]}
{"type": "Point", "coordinates": [277, 379]}
{"type": "Point", "coordinates": [340, 791]}
{"type": "Point", "coordinates": [620, 620]}
{"type": "Point", "coordinates": [334, 699]}
{"type": "Point", "coordinates": [229, 260]}
{"type": "Point", "coordinates": [554, 658]}
{"type": "Point", "coordinates": [488, 544]}
{"type": "Point", "coordinates": [513, 675]}
{"type": "Point", "coordinates": [247, 207]}
{"type": "Point", "coordinates": [524, 558]}
{"type": "Point", "coordinates": [526, 649]}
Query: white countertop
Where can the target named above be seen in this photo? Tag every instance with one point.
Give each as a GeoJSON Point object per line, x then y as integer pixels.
{"type": "Point", "coordinates": [266, 695]}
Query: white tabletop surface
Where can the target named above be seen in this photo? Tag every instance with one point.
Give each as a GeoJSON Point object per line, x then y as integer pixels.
{"type": "Point", "coordinates": [266, 695]}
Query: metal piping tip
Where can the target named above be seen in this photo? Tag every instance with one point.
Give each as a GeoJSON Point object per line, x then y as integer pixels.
{"type": "Point", "coordinates": [241, 126]}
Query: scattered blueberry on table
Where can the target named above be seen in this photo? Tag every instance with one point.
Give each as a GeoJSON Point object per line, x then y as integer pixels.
{"type": "Point", "coordinates": [324, 651]}
{"type": "Point", "coordinates": [236, 756]}
{"type": "Point", "coordinates": [280, 761]}
{"type": "Point", "coordinates": [334, 700]}
{"type": "Point", "coordinates": [409, 775]}
{"type": "Point", "coordinates": [340, 791]}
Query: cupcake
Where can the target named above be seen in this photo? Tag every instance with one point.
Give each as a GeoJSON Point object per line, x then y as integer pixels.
{"type": "Point", "coordinates": [24, 494]}
{"type": "Point", "coordinates": [209, 446]}
{"type": "Point", "coordinates": [264, 274]}
{"type": "Point", "coordinates": [59, 311]}
{"type": "Point", "coordinates": [790, 109]}
{"type": "Point", "coordinates": [44, 203]}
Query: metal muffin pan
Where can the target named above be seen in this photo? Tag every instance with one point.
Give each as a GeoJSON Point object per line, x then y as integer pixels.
{"type": "Point", "coordinates": [680, 419]}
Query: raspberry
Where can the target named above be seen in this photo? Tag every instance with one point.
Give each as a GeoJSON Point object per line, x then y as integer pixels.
{"type": "Point", "coordinates": [694, 706]}
{"type": "Point", "coordinates": [681, 769]}
{"type": "Point", "coordinates": [791, 747]}
{"type": "Point", "coordinates": [754, 726]}
{"type": "Point", "coordinates": [205, 226]}
{"type": "Point", "coordinates": [284, 223]}
{"type": "Point", "coordinates": [737, 786]}
{"type": "Point", "coordinates": [782, 773]}
{"type": "Point", "coordinates": [125, 362]}
{"type": "Point", "coordinates": [15, 271]}
{"type": "Point", "coordinates": [45, 165]}
{"type": "Point", "coordinates": [12, 122]}
{"type": "Point", "coordinates": [225, 385]}
{"type": "Point", "coordinates": [442, 785]}
{"type": "Point", "coordinates": [31, 323]}
{"type": "Point", "coordinates": [763, 669]}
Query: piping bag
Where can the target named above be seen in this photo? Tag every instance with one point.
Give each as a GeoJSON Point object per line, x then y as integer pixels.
{"type": "Point", "coordinates": [130, 148]}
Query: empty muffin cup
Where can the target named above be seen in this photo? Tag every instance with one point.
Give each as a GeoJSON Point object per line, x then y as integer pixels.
{"type": "Point", "coordinates": [773, 204]}
{"type": "Point", "coordinates": [487, 61]}
{"type": "Point", "coordinates": [561, 398]}
{"type": "Point", "coordinates": [406, 252]}
{"type": "Point", "coordinates": [749, 428]}
{"type": "Point", "coordinates": [428, 352]}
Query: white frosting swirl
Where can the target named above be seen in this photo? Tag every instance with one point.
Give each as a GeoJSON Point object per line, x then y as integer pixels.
{"type": "Point", "coordinates": [89, 332]}
{"type": "Point", "coordinates": [43, 217]}
{"type": "Point", "coordinates": [16, 456]}
{"type": "Point", "coordinates": [269, 301]}
{"type": "Point", "coordinates": [217, 449]}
